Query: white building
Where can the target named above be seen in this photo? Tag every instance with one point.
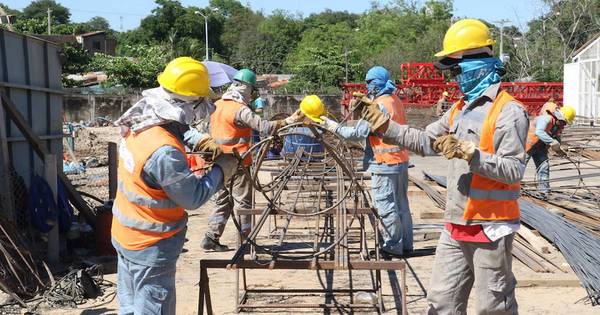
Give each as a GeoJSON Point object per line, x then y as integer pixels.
{"type": "Point", "coordinates": [582, 80]}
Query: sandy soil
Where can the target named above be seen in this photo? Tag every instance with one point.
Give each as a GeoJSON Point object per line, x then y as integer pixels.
{"type": "Point", "coordinates": [556, 293]}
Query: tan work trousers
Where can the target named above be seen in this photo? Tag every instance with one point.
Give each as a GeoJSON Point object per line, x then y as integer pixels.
{"type": "Point", "coordinates": [461, 265]}
{"type": "Point", "coordinates": [242, 194]}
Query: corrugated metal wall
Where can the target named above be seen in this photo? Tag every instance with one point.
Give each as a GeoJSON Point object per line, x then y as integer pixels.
{"type": "Point", "coordinates": [30, 74]}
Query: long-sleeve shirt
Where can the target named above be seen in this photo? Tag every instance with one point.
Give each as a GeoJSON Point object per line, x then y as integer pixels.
{"type": "Point", "coordinates": [360, 133]}
{"type": "Point", "coordinates": [246, 118]}
{"type": "Point", "coordinates": [541, 123]}
{"type": "Point", "coordinates": [168, 169]}
{"type": "Point", "coordinates": [506, 165]}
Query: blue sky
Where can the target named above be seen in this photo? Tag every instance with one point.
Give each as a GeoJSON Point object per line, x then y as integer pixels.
{"type": "Point", "coordinates": [132, 11]}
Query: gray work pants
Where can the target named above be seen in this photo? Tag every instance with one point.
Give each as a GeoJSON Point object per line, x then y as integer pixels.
{"type": "Point", "coordinates": [461, 265]}
{"type": "Point", "coordinates": [242, 194]}
{"type": "Point", "coordinates": [542, 169]}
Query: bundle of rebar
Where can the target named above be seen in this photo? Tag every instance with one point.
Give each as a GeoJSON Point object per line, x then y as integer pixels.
{"type": "Point", "coordinates": [580, 247]}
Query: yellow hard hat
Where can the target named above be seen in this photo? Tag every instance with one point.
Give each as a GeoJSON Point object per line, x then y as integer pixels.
{"type": "Point", "coordinates": [568, 112]}
{"type": "Point", "coordinates": [465, 34]}
{"type": "Point", "coordinates": [313, 108]}
{"type": "Point", "coordinates": [445, 93]}
{"type": "Point", "coordinates": [185, 76]}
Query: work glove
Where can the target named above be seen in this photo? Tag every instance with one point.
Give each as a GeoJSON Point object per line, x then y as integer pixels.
{"type": "Point", "coordinates": [555, 146]}
{"type": "Point", "coordinates": [452, 147]}
{"type": "Point", "coordinates": [328, 124]}
{"type": "Point", "coordinates": [228, 164]}
{"type": "Point", "coordinates": [296, 117]}
{"type": "Point", "coordinates": [369, 111]}
{"type": "Point", "coordinates": [208, 144]}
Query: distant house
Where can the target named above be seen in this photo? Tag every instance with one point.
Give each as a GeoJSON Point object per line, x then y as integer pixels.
{"type": "Point", "coordinates": [582, 80]}
{"type": "Point", "coordinates": [94, 42]}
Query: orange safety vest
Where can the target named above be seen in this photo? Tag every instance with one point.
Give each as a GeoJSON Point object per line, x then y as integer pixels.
{"type": "Point", "coordinates": [143, 215]}
{"type": "Point", "coordinates": [489, 199]}
{"type": "Point", "coordinates": [552, 129]}
{"type": "Point", "coordinates": [389, 153]}
{"type": "Point", "coordinates": [226, 133]}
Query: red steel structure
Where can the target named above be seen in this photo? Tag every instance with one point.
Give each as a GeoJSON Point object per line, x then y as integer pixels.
{"type": "Point", "coordinates": [422, 85]}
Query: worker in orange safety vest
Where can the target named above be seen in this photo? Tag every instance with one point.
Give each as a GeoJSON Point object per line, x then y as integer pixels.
{"type": "Point", "coordinates": [156, 185]}
{"type": "Point", "coordinates": [483, 136]}
{"type": "Point", "coordinates": [388, 164]}
{"type": "Point", "coordinates": [231, 126]}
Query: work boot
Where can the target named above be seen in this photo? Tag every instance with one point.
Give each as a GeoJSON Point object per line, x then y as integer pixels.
{"type": "Point", "coordinates": [210, 244]}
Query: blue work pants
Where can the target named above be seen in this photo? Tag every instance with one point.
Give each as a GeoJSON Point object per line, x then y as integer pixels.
{"type": "Point", "coordinates": [542, 166]}
{"type": "Point", "coordinates": [391, 201]}
{"type": "Point", "coordinates": [145, 290]}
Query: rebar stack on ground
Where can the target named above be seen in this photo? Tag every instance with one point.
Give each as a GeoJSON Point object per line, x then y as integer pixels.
{"type": "Point", "coordinates": [580, 247]}
{"type": "Point", "coordinates": [578, 195]}
{"type": "Point", "coordinates": [19, 276]}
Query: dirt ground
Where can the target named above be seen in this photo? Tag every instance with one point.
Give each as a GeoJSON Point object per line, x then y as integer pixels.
{"type": "Point", "coordinates": [537, 293]}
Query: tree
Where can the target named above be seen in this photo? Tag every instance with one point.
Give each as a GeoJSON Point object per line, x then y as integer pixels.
{"type": "Point", "coordinates": [10, 11]}
{"type": "Point", "coordinates": [139, 70]}
{"type": "Point", "coordinates": [98, 23]}
{"type": "Point", "coordinates": [39, 10]}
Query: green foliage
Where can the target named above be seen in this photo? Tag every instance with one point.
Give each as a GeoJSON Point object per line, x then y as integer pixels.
{"type": "Point", "coordinates": [98, 23]}
{"type": "Point", "coordinates": [38, 10]}
{"type": "Point", "coordinates": [30, 26]}
{"type": "Point", "coordinates": [139, 70]}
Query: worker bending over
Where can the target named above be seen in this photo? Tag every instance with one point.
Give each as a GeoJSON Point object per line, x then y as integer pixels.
{"type": "Point", "coordinates": [483, 136]}
{"type": "Point", "coordinates": [544, 133]}
{"type": "Point", "coordinates": [156, 186]}
{"type": "Point", "coordinates": [387, 163]}
{"type": "Point", "coordinates": [231, 127]}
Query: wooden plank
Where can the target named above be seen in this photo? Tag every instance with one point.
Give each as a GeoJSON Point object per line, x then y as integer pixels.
{"type": "Point", "coordinates": [50, 175]}
{"type": "Point", "coordinates": [539, 243]}
{"type": "Point", "coordinates": [41, 150]}
{"type": "Point", "coordinates": [549, 283]}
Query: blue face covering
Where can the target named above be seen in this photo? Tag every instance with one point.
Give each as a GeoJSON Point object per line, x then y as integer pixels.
{"type": "Point", "coordinates": [477, 75]}
{"type": "Point", "coordinates": [378, 82]}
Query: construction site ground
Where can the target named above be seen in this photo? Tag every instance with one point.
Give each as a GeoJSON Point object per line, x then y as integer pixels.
{"type": "Point", "coordinates": [537, 293]}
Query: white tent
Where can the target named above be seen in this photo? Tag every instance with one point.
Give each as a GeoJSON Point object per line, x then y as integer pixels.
{"type": "Point", "coordinates": [582, 80]}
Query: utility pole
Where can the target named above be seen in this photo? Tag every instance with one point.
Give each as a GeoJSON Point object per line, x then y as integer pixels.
{"type": "Point", "coordinates": [501, 22]}
{"type": "Point", "coordinates": [346, 59]}
{"type": "Point", "coordinates": [49, 21]}
{"type": "Point", "coordinates": [206, 29]}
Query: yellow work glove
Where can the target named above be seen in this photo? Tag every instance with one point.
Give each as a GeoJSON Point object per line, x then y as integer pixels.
{"type": "Point", "coordinates": [296, 117]}
{"type": "Point", "coordinates": [208, 144]}
{"type": "Point", "coordinates": [369, 111]}
{"type": "Point", "coordinates": [452, 147]}
{"type": "Point", "coordinates": [555, 146]}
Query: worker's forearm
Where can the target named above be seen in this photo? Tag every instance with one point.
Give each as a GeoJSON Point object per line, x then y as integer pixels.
{"type": "Point", "coordinates": [357, 133]}
{"type": "Point", "coordinates": [508, 170]}
{"type": "Point", "coordinates": [192, 136]}
{"type": "Point", "coordinates": [246, 118]}
{"type": "Point", "coordinates": [415, 140]}
{"type": "Point", "coordinates": [191, 192]}
{"type": "Point", "coordinates": [168, 169]}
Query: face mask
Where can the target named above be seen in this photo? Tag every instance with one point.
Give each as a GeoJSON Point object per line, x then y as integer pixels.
{"type": "Point", "coordinates": [477, 75]}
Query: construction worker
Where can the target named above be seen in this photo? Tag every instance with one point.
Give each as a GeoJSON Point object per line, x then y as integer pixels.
{"type": "Point", "coordinates": [257, 106]}
{"type": "Point", "coordinates": [231, 126]}
{"type": "Point", "coordinates": [483, 135]}
{"type": "Point", "coordinates": [544, 133]}
{"type": "Point", "coordinates": [387, 163]}
{"type": "Point", "coordinates": [156, 185]}
{"type": "Point", "coordinates": [442, 104]}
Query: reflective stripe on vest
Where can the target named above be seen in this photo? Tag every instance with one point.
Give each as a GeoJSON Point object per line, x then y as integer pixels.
{"type": "Point", "coordinates": [383, 152]}
{"type": "Point", "coordinates": [143, 215]}
{"type": "Point", "coordinates": [226, 133]}
{"type": "Point", "coordinates": [489, 199]}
